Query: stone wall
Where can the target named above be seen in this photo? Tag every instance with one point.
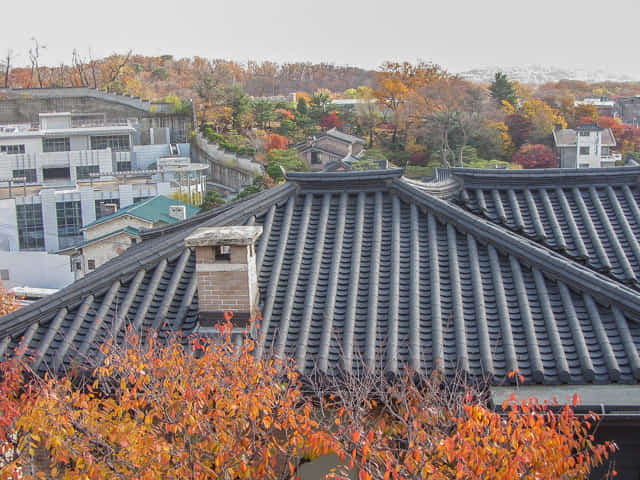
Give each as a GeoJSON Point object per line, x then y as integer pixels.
{"type": "Point", "coordinates": [225, 168]}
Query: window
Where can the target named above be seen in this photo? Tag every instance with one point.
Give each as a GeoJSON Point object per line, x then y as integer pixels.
{"type": "Point", "coordinates": [584, 133]}
{"type": "Point", "coordinates": [134, 241]}
{"type": "Point", "coordinates": [4, 274]}
{"type": "Point", "coordinates": [315, 158]}
{"type": "Point", "coordinates": [12, 149]}
{"type": "Point", "coordinates": [106, 207]}
{"type": "Point", "coordinates": [584, 150]}
{"type": "Point", "coordinates": [84, 172]}
{"type": "Point", "coordinates": [58, 173]}
{"type": "Point", "coordinates": [123, 166]}
{"type": "Point", "coordinates": [118, 143]}
{"type": "Point", "coordinates": [56, 144]}
{"type": "Point", "coordinates": [91, 264]}
{"type": "Point", "coordinates": [29, 174]}
{"type": "Point", "coordinates": [223, 253]}
{"type": "Point", "coordinates": [69, 216]}
{"type": "Point", "coordinates": [584, 165]}
{"type": "Point", "coordinates": [30, 228]}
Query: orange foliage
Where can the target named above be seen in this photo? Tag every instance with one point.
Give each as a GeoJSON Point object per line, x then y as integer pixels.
{"type": "Point", "coordinates": [276, 142]}
{"type": "Point", "coordinates": [284, 114]}
{"type": "Point", "coordinates": [212, 410]}
{"type": "Point", "coordinates": [8, 301]}
{"type": "Point", "coordinates": [178, 411]}
{"type": "Point", "coordinates": [464, 439]}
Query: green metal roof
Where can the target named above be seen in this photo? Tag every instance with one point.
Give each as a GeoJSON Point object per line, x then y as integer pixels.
{"type": "Point", "coordinates": [154, 210]}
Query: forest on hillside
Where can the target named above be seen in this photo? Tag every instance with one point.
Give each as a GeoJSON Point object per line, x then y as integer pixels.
{"type": "Point", "coordinates": [417, 115]}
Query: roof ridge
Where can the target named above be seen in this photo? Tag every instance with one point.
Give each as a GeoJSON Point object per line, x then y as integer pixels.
{"type": "Point", "coordinates": [537, 177]}
{"type": "Point", "coordinates": [546, 260]}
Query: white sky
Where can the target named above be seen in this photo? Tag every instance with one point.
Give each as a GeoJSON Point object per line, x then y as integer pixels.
{"type": "Point", "coordinates": [458, 34]}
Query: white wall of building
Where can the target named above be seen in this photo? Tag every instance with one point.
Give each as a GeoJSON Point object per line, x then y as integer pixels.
{"type": "Point", "coordinates": [593, 142]}
{"type": "Point", "coordinates": [36, 269]}
{"type": "Point", "coordinates": [8, 226]}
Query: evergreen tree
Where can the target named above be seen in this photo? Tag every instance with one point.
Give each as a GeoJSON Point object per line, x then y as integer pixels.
{"type": "Point", "coordinates": [502, 89]}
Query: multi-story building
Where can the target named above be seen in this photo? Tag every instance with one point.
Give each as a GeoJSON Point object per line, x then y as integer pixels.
{"type": "Point", "coordinates": [64, 148]}
{"type": "Point", "coordinates": [587, 146]}
{"type": "Point", "coordinates": [59, 168]}
{"type": "Point", "coordinates": [628, 110]}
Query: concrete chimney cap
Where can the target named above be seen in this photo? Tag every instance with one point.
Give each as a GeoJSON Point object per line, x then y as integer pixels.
{"type": "Point", "coordinates": [214, 236]}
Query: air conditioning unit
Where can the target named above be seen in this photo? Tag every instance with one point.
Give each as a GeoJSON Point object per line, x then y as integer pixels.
{"type": "Point", "coordinates": [178, 211]}
{"type": "Point", "coordinates": [109, 208]}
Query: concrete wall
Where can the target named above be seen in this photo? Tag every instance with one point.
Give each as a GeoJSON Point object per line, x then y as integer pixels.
{"type": "Point", "coordinates": [145, 155]}
{"type": "Point", "coordinates": [36, 269]}
{"type": "Point", "coordinates": [104, 250]}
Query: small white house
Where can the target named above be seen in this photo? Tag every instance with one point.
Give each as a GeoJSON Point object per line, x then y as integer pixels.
{"type": "Point", "coordinates": [587, 146]}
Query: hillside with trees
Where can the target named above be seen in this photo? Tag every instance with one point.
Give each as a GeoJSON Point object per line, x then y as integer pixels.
{"type": "Point", "coordinates": [417, 115]}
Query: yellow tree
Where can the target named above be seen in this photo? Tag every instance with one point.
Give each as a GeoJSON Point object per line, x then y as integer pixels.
{"type": "Point", "coordinates": [544, 118]}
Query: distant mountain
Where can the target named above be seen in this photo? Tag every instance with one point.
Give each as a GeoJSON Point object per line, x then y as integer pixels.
{"type": "Point", "coordinates": [537, 74]}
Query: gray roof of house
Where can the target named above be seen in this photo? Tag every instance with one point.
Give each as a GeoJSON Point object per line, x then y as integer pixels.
{"type": "Point", "coordinates": [363, 270]}
{"type": "Point", "coordinates": [345, 137]}
{"type": "Point", "coordinates": [569, 137]}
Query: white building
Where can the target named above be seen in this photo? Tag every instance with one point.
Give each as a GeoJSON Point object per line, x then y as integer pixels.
{"type": "Point", "coordinates": [65, 172]}
{"type": "Point", "coordinates": [587, 146]}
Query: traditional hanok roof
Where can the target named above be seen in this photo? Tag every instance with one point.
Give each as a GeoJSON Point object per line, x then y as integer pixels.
{"type": "Point", "coordinates": [345, 137]}
{"type": "Point", "coordinates": [154, 210]}
{"type": "Point", "coordinates": [361, 270]}
{"type": "Point", "coordinates": [592, 216]}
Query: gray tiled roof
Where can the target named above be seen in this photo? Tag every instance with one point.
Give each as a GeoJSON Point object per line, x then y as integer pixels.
{"type": "Point", "coordinates": [362, 270]}
{"type": "Point", "coordinates": [345, 137]}
{"type": "Point", "coordinates": [592, 218]}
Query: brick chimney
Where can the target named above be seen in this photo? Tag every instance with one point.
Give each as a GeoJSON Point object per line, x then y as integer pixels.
{"type": "Point", "coordinates": [226, 273]}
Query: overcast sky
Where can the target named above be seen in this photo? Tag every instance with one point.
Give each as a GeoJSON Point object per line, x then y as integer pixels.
{"type": "Point", "coordinates": [458, 34]}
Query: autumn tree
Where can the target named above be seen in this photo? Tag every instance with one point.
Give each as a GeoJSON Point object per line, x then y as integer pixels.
{"type": "Point", "coordinates": [426, 426]}
{"type": "Point", "coordinates": [275, 141]}
{"type": "Point", "coordinates": [535, 156]}
{"type": "Point", "coordinates": [367, 111]}
{"type": "Point", "coordinates": [544, 120]}
{"type": "Point", "coordinates": [502, 90]}
{"type": "Point", "coordinates": [8, 301]}
{"type": "Point", "coordinates": [208, 408]}
{"type": "Point", "coordinates": [331, 120]}
{"type": "Point", "coordinates": [195, 410]}
{"type": "Point", "coordinates": [520, 128]}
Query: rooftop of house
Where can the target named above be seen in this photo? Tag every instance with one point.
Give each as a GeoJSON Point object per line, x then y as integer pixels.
{"type": "Point", "coordinates": [345, 137]}
{"type": "Point", "coordinates": [154, 210]}
{"type": "Point", "coordinates": [568, 137]}
{"type": "Point", "coordinates": [365, 270]}
{"type": "Point", "coordinates": [129, 231]}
